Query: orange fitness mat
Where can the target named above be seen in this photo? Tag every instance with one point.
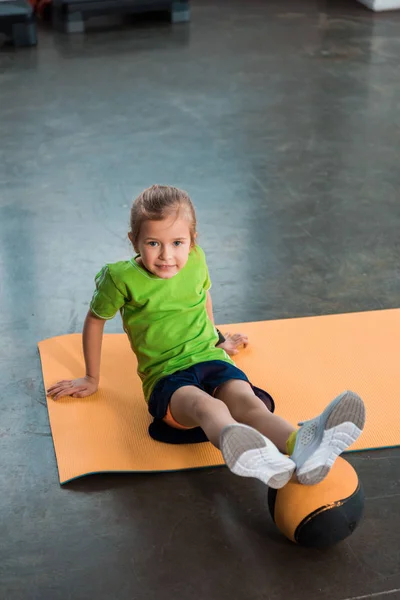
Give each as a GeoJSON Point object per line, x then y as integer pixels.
{"type": "Point", "coordinates": [303, 363]}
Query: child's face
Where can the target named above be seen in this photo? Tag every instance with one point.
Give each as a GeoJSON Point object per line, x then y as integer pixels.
{"type": "Point", "coordinates": [164, 246]}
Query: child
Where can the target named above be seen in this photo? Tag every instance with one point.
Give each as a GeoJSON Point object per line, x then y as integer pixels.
{"type": "Point", "coordinates": [187, 374]}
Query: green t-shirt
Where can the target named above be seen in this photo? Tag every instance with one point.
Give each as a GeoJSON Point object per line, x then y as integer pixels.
{"type": "Point", "coordinates": [165, 319]}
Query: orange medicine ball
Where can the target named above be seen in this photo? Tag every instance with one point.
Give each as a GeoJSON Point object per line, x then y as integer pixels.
{"type": "Point", "coordinates": [323, 514]}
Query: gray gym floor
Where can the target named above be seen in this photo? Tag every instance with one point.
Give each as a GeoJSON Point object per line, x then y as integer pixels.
{"type": "Point", "coordinates": [282, 120]}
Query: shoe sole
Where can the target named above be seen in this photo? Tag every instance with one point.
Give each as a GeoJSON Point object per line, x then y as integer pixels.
{"type": "Point", "coordinates": [343, 425]}
{"type": "Point", "coordinates": [248, 453]}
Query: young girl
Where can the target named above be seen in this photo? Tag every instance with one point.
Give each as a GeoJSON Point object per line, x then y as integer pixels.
{"type": "Point", "coordinates": [187, 374]}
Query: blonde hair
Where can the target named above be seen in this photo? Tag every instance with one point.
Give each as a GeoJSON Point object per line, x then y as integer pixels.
{"type": "Point", "coordinates": [158, 202]}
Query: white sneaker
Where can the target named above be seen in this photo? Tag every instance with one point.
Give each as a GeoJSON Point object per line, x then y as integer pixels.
{"type": "Point", "coordinates": [320, 441]}
{"type": "Point", "coordinates": [249, 454]}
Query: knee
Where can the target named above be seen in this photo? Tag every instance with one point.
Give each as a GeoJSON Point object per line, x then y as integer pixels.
{"type": "Point", "coordinates": [247, 409]}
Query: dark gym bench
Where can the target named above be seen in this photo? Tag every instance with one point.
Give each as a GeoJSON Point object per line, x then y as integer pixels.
{"type": "Point", "coordinates": [17, 22]}
{"type": "Point", "coordinates": [70, 15]}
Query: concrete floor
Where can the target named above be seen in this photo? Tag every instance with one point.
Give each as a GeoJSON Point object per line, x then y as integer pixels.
{"type": "Point", "coordinates": [282, 120]}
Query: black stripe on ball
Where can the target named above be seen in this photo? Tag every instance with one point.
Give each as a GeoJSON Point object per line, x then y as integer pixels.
{"type": "Point", "coordinates": [331, 524]}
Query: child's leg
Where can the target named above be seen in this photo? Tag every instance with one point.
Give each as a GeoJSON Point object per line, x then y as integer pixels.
{"type": "Point", "coordinates": [245, 450]}
{"type": "Point", "coordinates": [316, 445]}
{"type": "Point", "coordinates": [246, 407]}
{"type": "Point", "coordinates": [192, 407]}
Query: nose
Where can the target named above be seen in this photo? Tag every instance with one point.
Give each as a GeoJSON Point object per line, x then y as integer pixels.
{"type": "Point", "coordinates": [165, 253]}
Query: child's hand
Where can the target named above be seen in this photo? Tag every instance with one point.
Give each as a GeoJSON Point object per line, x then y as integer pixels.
{"type": "Point", "coordinates": [77, 388]}
{"type": "Point", "coordinates": [233, 342]}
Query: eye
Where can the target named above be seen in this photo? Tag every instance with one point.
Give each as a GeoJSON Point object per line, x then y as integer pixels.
{"type": "Point", "coordinates": [152, 244]}
{"type": "Point", "coordinates": [177, 243]}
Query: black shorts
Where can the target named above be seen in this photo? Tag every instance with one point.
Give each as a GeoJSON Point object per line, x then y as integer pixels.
{"type": "Point", "coordinates": [207, 376]}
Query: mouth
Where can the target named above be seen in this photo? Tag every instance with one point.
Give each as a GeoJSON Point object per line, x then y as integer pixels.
{"type": "Point", "coordinates": [165, 267]}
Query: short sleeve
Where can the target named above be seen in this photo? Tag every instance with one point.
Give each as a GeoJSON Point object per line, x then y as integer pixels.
{"type": "Point", "coordinates": [204, 270]}
{"type": "Point", "coordinates": [107, 298]}
{"type": "Point", "coordinates": [207, 281]}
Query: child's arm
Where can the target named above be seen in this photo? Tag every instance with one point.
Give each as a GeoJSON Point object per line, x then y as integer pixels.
{"type": "Point", "coordinates": [92, 337]}
{"type": "Point", "coordinates": [231, 342]}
